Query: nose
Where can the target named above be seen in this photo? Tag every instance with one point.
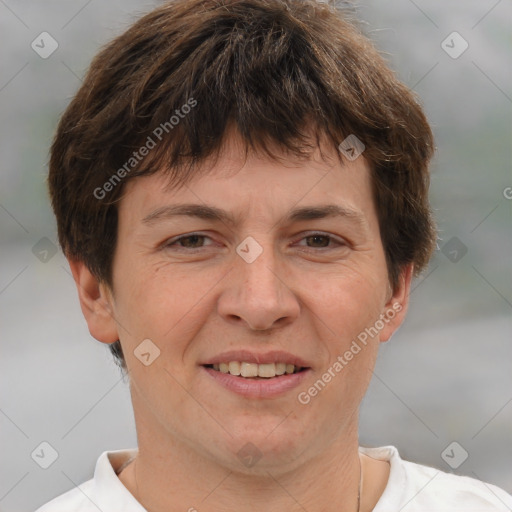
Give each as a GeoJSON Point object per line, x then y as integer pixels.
{"type": "Point", "coordinates": [257, 294]}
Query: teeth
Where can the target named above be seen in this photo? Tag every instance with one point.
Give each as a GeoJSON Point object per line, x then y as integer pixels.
{"type": "Point", "coordinates": [234, 368]}
{"type": "Point", "coordinates": [280, 368]}
{"type": "Point", "coordinates": [248, 370]}
{"type": "Point", "coordinates": [267, 370]}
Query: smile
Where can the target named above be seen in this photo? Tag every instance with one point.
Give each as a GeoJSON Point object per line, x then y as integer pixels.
{"type": "Point", "coordinates": [254, 370]}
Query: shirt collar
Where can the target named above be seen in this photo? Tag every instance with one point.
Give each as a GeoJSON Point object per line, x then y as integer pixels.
{"type": "Point", "coordinates": [397, 481]}
{"type": "Point", "coordinates": [111, 493]}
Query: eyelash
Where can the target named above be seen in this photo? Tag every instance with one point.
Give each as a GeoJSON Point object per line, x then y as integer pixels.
{"type": "Point", "coordinates": [175, 241]}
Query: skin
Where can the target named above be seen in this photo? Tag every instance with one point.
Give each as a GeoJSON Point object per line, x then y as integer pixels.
{"type": "Point", "coordinates": [198, 298]}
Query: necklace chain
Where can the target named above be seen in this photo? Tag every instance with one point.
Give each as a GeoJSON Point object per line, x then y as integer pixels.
{"type": "Point", "coordinates": [360, 484]}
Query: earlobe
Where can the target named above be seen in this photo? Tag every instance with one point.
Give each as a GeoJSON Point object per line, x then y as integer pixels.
{"type": "Point", "coordinates": [96, 303]}
{"type": "Point", "coordinates": [396, 306]}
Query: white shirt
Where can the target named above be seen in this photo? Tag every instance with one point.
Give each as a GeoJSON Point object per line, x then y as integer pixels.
{"type": "Point", "coordinates": [411, 488]}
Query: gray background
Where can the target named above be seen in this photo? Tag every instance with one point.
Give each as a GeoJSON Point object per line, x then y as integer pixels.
{"type": "Point", "coordinates": [444, 377]}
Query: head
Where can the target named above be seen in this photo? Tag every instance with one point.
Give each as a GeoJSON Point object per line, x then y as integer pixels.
{"type": "Point", "coordinates": [241, 106]}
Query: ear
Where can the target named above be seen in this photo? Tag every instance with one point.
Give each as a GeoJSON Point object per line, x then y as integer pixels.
{"type": "Point", "coordinates": [395, 309]}
{"type": "Point", "coordinates": [96, 303]}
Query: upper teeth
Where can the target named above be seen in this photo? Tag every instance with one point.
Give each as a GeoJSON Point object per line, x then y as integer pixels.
{"type": "Point", "coordinates": [255, 370]}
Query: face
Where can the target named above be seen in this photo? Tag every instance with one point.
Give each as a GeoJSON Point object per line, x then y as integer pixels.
{"type": "Point", "coordinates": [268, 265]}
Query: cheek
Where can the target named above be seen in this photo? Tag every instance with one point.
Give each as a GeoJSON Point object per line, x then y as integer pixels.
{"type": "Point", "coordinates": [350, 307]}
{"type": "Point", "coordinates": [161, 303]}
{"type": "Point", "coordinates": [347, 301]}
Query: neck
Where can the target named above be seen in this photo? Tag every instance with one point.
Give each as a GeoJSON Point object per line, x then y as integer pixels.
{"type": "Point", "coordinates": [169, 475]}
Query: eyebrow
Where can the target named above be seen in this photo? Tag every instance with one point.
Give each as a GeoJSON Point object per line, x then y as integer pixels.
{"type": "Point", "coordinates": [216, 214]}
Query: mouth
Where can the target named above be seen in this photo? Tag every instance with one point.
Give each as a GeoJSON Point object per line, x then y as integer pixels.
{"type": "Point", "coordinates": [257, 375]}
{"type": "Point", "coordinates": [256, 371]}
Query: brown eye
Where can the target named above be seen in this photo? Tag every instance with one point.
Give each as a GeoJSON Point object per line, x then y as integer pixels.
{"type": "Point", "coordinates": [191, 241]}
{"type": "Point", "coordinates": [319, 240]}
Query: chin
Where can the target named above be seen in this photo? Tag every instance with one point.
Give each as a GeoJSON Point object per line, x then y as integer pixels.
{"type": "Point", "coordinates": [264, 445]}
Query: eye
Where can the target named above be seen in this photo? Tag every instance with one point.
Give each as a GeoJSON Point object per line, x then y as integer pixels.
{"type": "Point", "coordinates": [322, 240]}
{"type": "Point", "coordinates": [195, 241]}
{"type": "Point", "coordinates": [189, 241]}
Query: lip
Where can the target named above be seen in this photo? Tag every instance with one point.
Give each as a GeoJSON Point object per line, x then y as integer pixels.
{"type": "Point", "coordinates": [257, 388]}
{"type": "Point", "coordinates": [249, 356]}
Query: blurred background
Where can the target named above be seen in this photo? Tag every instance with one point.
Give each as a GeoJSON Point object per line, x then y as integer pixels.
{"type": "Point", "coordinates": [444, 378]}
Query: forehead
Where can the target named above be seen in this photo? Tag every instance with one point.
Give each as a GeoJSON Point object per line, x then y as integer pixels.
{"type": "Point", "coordinates": [256, 183]}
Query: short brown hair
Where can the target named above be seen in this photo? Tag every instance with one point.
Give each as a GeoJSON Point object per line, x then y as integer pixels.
{"type": "Point", "coordinates": [269, 68]}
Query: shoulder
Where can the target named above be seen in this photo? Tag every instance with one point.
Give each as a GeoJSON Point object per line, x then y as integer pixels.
{"type": "Point", "coordinates": [429, 486]}
{"type": "Point", "coordinates": [418, 488]}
